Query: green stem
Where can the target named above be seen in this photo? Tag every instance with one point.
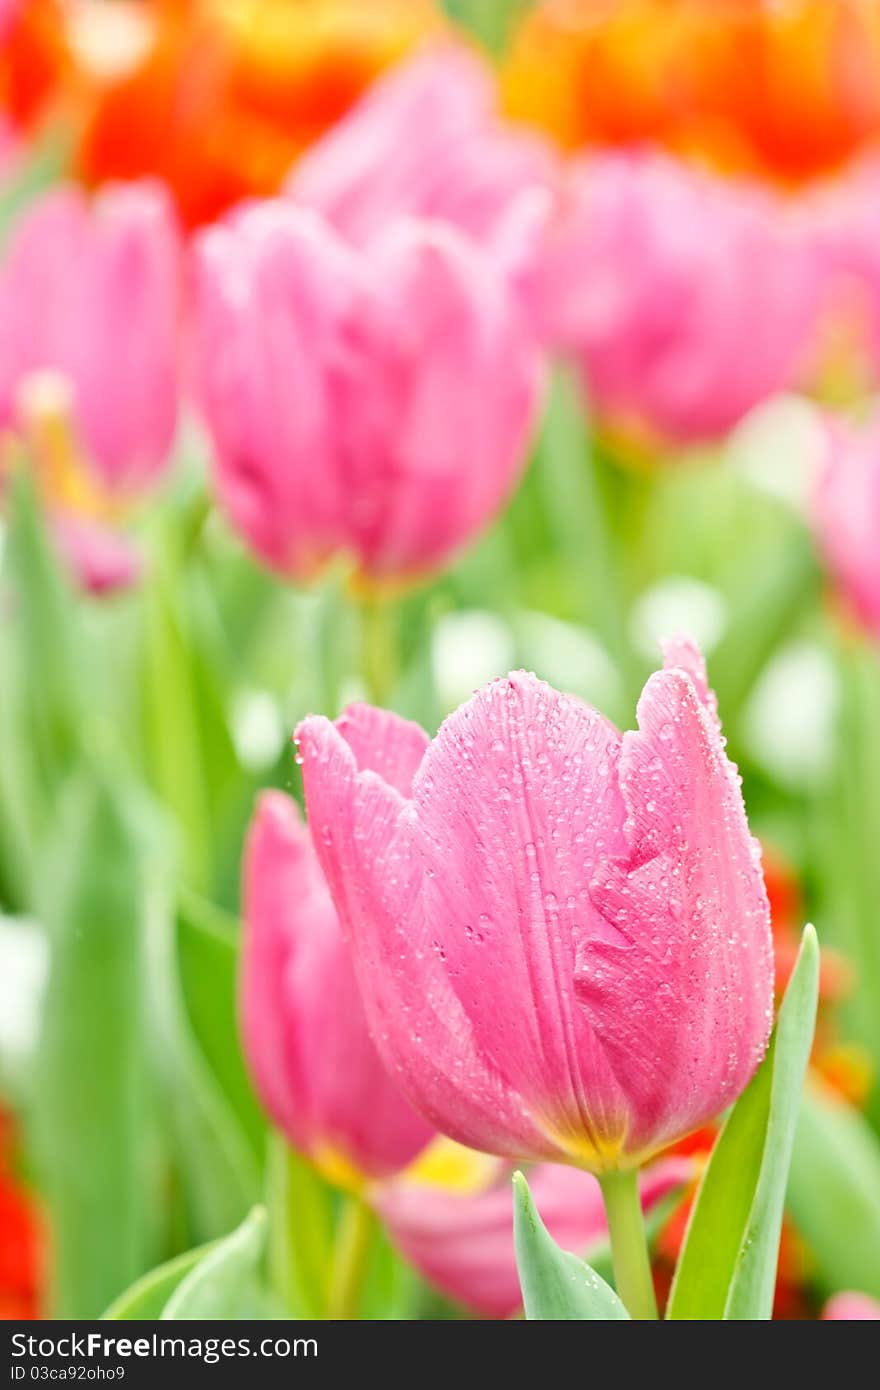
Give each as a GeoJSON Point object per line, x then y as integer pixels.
{"type": "Point", "coordinates": [299, 1234]}
{"type": "Point", "coordinates": [354, 1240]}
{"type": "Point", "coordinates": [629, 1249]}
{"type": "Point", "coordinates": [378, 649]}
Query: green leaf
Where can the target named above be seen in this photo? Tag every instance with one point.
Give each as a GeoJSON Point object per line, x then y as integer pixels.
{"type": "Point", "coordinates": [91, 1112]}
{"type": "Point", "coordinates": [49, 650]}
{"type": "Point", "coordinates": [190, 759]}
{"type": "Point", "coordinates": [21, 808]}
{"type": "Point", "coordinates": [849, 839]}
{"type": "Point", "coordinates": [556, 1285]}
{"type": "Point", "coordinates": [727, 1267]}
{"type": "Point", "coordinates": [219, 1165]}
{"type": "Point", "coordinates": [173, 719]}
{"type": "Point", "coordinates": [224, 1282]}
{"type": "Point", "coordinates": [218, 1280]}
{"type": "Point", "coordinates": [147, 1297]}
{"type": "Point", "coordinates": [207, 953]}
{"type": "Point", "coordinates": [784, 581]}
{"type": "Point", "coordinates": [834, 1191]}
{"type": "Point", "coordinates": [300, 1240]}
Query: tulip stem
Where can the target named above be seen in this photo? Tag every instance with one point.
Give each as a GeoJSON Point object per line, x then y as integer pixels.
{"type": "Point", "coordinates": [378, 656]}
{"type": "Point", "coordinates": [629, 1248]}
{"type": "Point", "coordinates": [354, 1240]}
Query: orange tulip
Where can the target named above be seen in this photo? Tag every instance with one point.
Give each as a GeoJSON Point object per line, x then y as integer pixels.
{"type": "Point", "coordinates": [33, 59]}
{"type": "Point", "coordinates": [786, 90]}
{"type": "Point", "coordinates": [218, 99]}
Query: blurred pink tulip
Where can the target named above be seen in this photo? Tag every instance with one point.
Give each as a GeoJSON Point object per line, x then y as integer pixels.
{"type": "Point", "coordinates": [841, 220]}
{"type": "Point", "coordinates": [91, 292]}
{"type": "Point", "coordinates": [378, 405]}
{"type": "Point", "coordinates": [685, 299]}
{"type": "Point", "coordinates": [561, 932]}
{"type": "Point", "coordinates": [846, 513]}
{"type": "Point", "coordinates": [305, 1034]}
{"type": "Point", "coordinates": [89, 329]}
{"type": "Point", "coordinates": [426, 141]}
{"type": "Point", "coordinates": [463, 1242]}
{"type": "Point", "coordinates": [851, 1307]}
{"type": "Point", "coordinates": [102, 559]}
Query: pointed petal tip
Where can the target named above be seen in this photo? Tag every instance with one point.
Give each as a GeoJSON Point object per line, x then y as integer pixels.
{"type": "Point", "coordinates": [680, 648]}
{"type": "Point", "coordinates": [312, 727]}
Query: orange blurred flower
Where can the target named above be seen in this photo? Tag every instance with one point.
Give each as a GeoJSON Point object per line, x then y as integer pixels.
{"type": "Point", "coordinates": [21, 1238]}
{"type": "Point", "coordinates": [788, 90]}
{"type": "Point", "coordinates": [33, 58]}
{"type": "Point", "coordinates": [219, 98]}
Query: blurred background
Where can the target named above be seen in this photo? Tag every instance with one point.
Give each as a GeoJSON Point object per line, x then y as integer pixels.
{"type": "Point", "coordinates": [653, 377]}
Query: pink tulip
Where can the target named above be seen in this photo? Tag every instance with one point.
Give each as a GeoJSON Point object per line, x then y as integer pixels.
{"type": "Point", "coordinates": [89, 323]}
{"type": "Point", "coordinates": [561, 933]}
{"type": "Point", "coordinates": [305, 1034]}
{"type": "Point", "coordinates": [378, 406]}
{"type": "Point", "coordinates": [91, 292]}
{"type": "Point", "coordinates": [426, 141]}
{"type": "Point", "coordinates": [463, 1242]}
{"type": "Point", "coordinates": [840, 220]}
{"type": "Point", "coordinates": [102, 559]}
{"type": "Point", "coordinates": [851, 1307]}
{"type": "Point", "coordinates": [847, 516]}
{"type": "Point", "coordinates": [685, 299]}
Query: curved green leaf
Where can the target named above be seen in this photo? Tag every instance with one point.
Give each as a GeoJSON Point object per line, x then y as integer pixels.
{"type": "Point", "coordinates": [223, 1284]}
{"type": "Point", "coordinates": [556, 1285]}
{"type": "Point", "coordinates": [145, 1299]}
{"type": "Point", "coordinates": [727, 1267]}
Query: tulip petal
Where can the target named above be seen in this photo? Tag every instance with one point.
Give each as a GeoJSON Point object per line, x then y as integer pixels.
{"type": "Point", "coordinates": [271, 286]}
{"type": "Point", "coordinates": [303, 1022]}
{"type": "Point", "coordinates": [384, 743]}
{"type": "Point", "coordinates": [516, 802]}
{"type": "Point", "coordinates": [693, 972]}
{"type": "Point", "coordinates": [481, 884]}
{"type": "Point", "coordinates": [425, 142]}
{"type": "Point", "coordinates": [375, 882]}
